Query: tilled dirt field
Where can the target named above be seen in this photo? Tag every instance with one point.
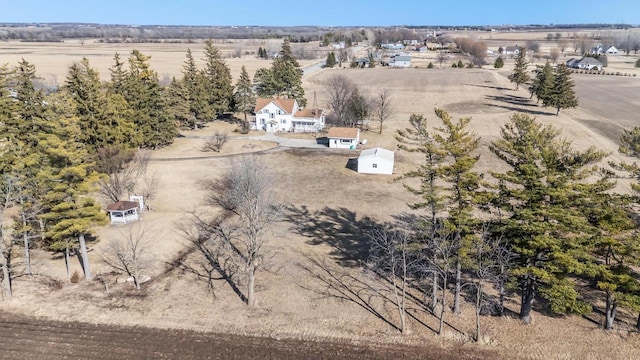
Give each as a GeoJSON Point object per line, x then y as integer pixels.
{"type": "Point", "coordinates": [32, 338]}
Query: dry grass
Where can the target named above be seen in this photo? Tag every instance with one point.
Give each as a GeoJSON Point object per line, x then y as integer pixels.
{"type": "Point", "coordinates": [319, 244]}
{"type": "Point", "coordinates": [52, 60]}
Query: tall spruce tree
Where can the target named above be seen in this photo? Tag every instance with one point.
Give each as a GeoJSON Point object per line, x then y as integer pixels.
{"type": "Point", "coordinates": [178, 104]}
{"type": "Point", "coordinates": [143, 93]}
{"type": "Point", "coordinates": [103, 118]}
{"type": "Point", "coordinates": [284, 78]}
{"type": "Point", "coordinates": [245, 98]}
{"type": "Point", "coordinates": [195, 91]}
{"type": "Point", "coordinates": [331, 60]}
{"type": "Point", "coordinates": [462, 185]}
{"type": "Point", "coordinates": [562, 94]}
{"type": "Point", "coordinates": [520, 75]}
{"type": "Point", "coordinates": [615, 248]}
{"type": "Point", "coordinates": [118, 76]}
{"type": "Point", "coordinates": [545, 226]}
{"type": "Point", "coordinates": [218, 82]}
{"type": "Point", "coordinates": [67, 175]}
{"type": "Point", "coordinates": [23, 127]}
{"type": "Point", "coordinates": [542, 85]}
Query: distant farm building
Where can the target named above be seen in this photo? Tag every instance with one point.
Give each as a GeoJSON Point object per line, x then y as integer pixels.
{"type": "Point", "coordinates": [401, 61]}
{"type": "Point", "coordinates": [376, 161]}
{"type": "Point", "coordinates": [343, 138]}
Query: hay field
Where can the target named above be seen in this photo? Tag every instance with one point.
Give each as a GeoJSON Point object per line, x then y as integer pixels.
{"type": "Point", "coordinates": [52, 60]}
{"type": "Point", "coordinates": [318, 245]}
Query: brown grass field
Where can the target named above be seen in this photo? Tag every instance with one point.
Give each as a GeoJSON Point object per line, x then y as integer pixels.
{"type": "Point", "coordinates": [315, 288]}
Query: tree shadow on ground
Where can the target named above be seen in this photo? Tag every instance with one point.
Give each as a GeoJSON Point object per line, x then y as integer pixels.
{"type": "Point", "coordinates": [512, 99]}
{"type": "Point", "coordinates": [339, 228]}
{"type": "Point", "coordinates": [490, 87]}
{"type": "Point", "coordinates": [521, 110]}
{"type": "Point", "coordinates": [364, 291]}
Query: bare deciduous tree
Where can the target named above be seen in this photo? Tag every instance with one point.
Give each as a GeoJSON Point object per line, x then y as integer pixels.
{"type": "Point", "coordinates": [554, 54]}
{"type": "Point", "coordinates": [339, 90]}
{"type": "Point", "coordinates": [389, 259]}
{"type": "Point", "coordinates": [246, 196]}
{"type": "Point", "coordinates": [6, 243]}
{"type": "Point", "coordinates": [130, 252]}
{"type": "Point", "coordinates": [438, 257]}
{"type": "Point", "coordinates": [491, 258]}
{"type": "Point", "coordinates": [382, 106]}
{"type": "Point", "coordinates": [122, 174]}
{"type": "Point", "coordinates": [215, 142]}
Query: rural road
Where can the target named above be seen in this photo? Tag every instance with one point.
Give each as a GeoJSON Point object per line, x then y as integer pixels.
{"type": "Point", "coordinates": [281, 141]}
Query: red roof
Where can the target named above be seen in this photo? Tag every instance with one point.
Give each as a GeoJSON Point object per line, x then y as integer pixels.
{"type": "Point", "coordinates": [123, 206]}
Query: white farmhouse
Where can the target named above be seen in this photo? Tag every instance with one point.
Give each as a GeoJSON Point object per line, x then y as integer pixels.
{"type": "Point", "coordinates": [276, 115]}
{"type": "Point", "coordinates": [343, 138]}
{"type": "Point", "coordinates": [376, 161]}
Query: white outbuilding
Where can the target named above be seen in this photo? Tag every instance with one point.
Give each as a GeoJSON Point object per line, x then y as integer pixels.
{"type": "Point", "coordinates": [376, 161]}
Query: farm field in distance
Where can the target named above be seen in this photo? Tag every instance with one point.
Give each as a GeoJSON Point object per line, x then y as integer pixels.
{"type": "Point", "coordinates": [310, 294]}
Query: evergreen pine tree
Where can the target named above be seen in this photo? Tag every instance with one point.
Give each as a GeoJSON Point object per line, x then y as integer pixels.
{"type": "Point", "coordinates": [102, 122]}
{"type": "Point", "coordinates": [499, 63]}
{"type": "Point", "coordinates": [178, 104]}
{"type": "Point", "coordinates": [520, 75]}
{"type": "Point", "coordinates": [195, 91]}
{"type": "Point", "coordinates": [143, 94]}
{"type": "Point", "coordinates": [218, 83]}
{"type": "Point", "coordinates": [331, 60]}
{"type": "Point", "coordinates": [462, 185]}
{"type": "Point", "coordinates": [545, 227]}
{"type": "Point", "coordinates": [542, 84]}
{"type": "Point", "coordinates": [245, 98]}
{"type": "Point", "coordinates": [67, 175]}
{"type": "Point", "coordinates": [284, 78]}
{"type": "Point", "coordinates": [562, 95]}
{"type": "Point", "coordinates": [118, 76]}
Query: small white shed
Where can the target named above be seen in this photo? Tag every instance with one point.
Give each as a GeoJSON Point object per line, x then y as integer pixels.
{"type": "Point", "coordinates": [343, 138]}
{"type": "Point", "coordinates": [376, 161]}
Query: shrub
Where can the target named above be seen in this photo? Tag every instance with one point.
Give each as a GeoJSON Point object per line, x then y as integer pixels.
{"type": "Point", "coordinates": [454, 65]}
{"type": "Point", "coordinates": [498, 63]}
{"type": "Point", "coordinates": [638, 63]}
{"type": "Point", "coordinates": [460, 64]}
{"type": "Point", "coordinates": [75, 277]}
{"type": "Point", "coordinates": [430, 66]}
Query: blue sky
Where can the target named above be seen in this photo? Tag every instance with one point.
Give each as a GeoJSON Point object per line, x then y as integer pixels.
{"type": "Point", "coordinates": [322, 12]}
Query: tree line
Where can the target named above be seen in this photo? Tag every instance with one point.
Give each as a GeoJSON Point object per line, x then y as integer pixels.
{"type": "Point", "coordinates": [60, 147]}
{"type": "Point", "coordinates": [550, 228]}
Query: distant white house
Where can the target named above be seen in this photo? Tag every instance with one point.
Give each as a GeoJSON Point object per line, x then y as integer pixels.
{"type": "Point", "coordinates": [401, 61]}
{"type": "Point", "coordinates": [512, 50]}
{"type": "Point", "coordinates": [376, 161]}
{"type": "Point", "coordinates": [343, 138]}
{"type": "Point", "coordinates": [602, 49]}
{"type": "Point", "coordinates": [275, 115]}
{"type": "Point", "coordinates": [390, 46]}
{"type": "Point", "coordinates": [587, 63]}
